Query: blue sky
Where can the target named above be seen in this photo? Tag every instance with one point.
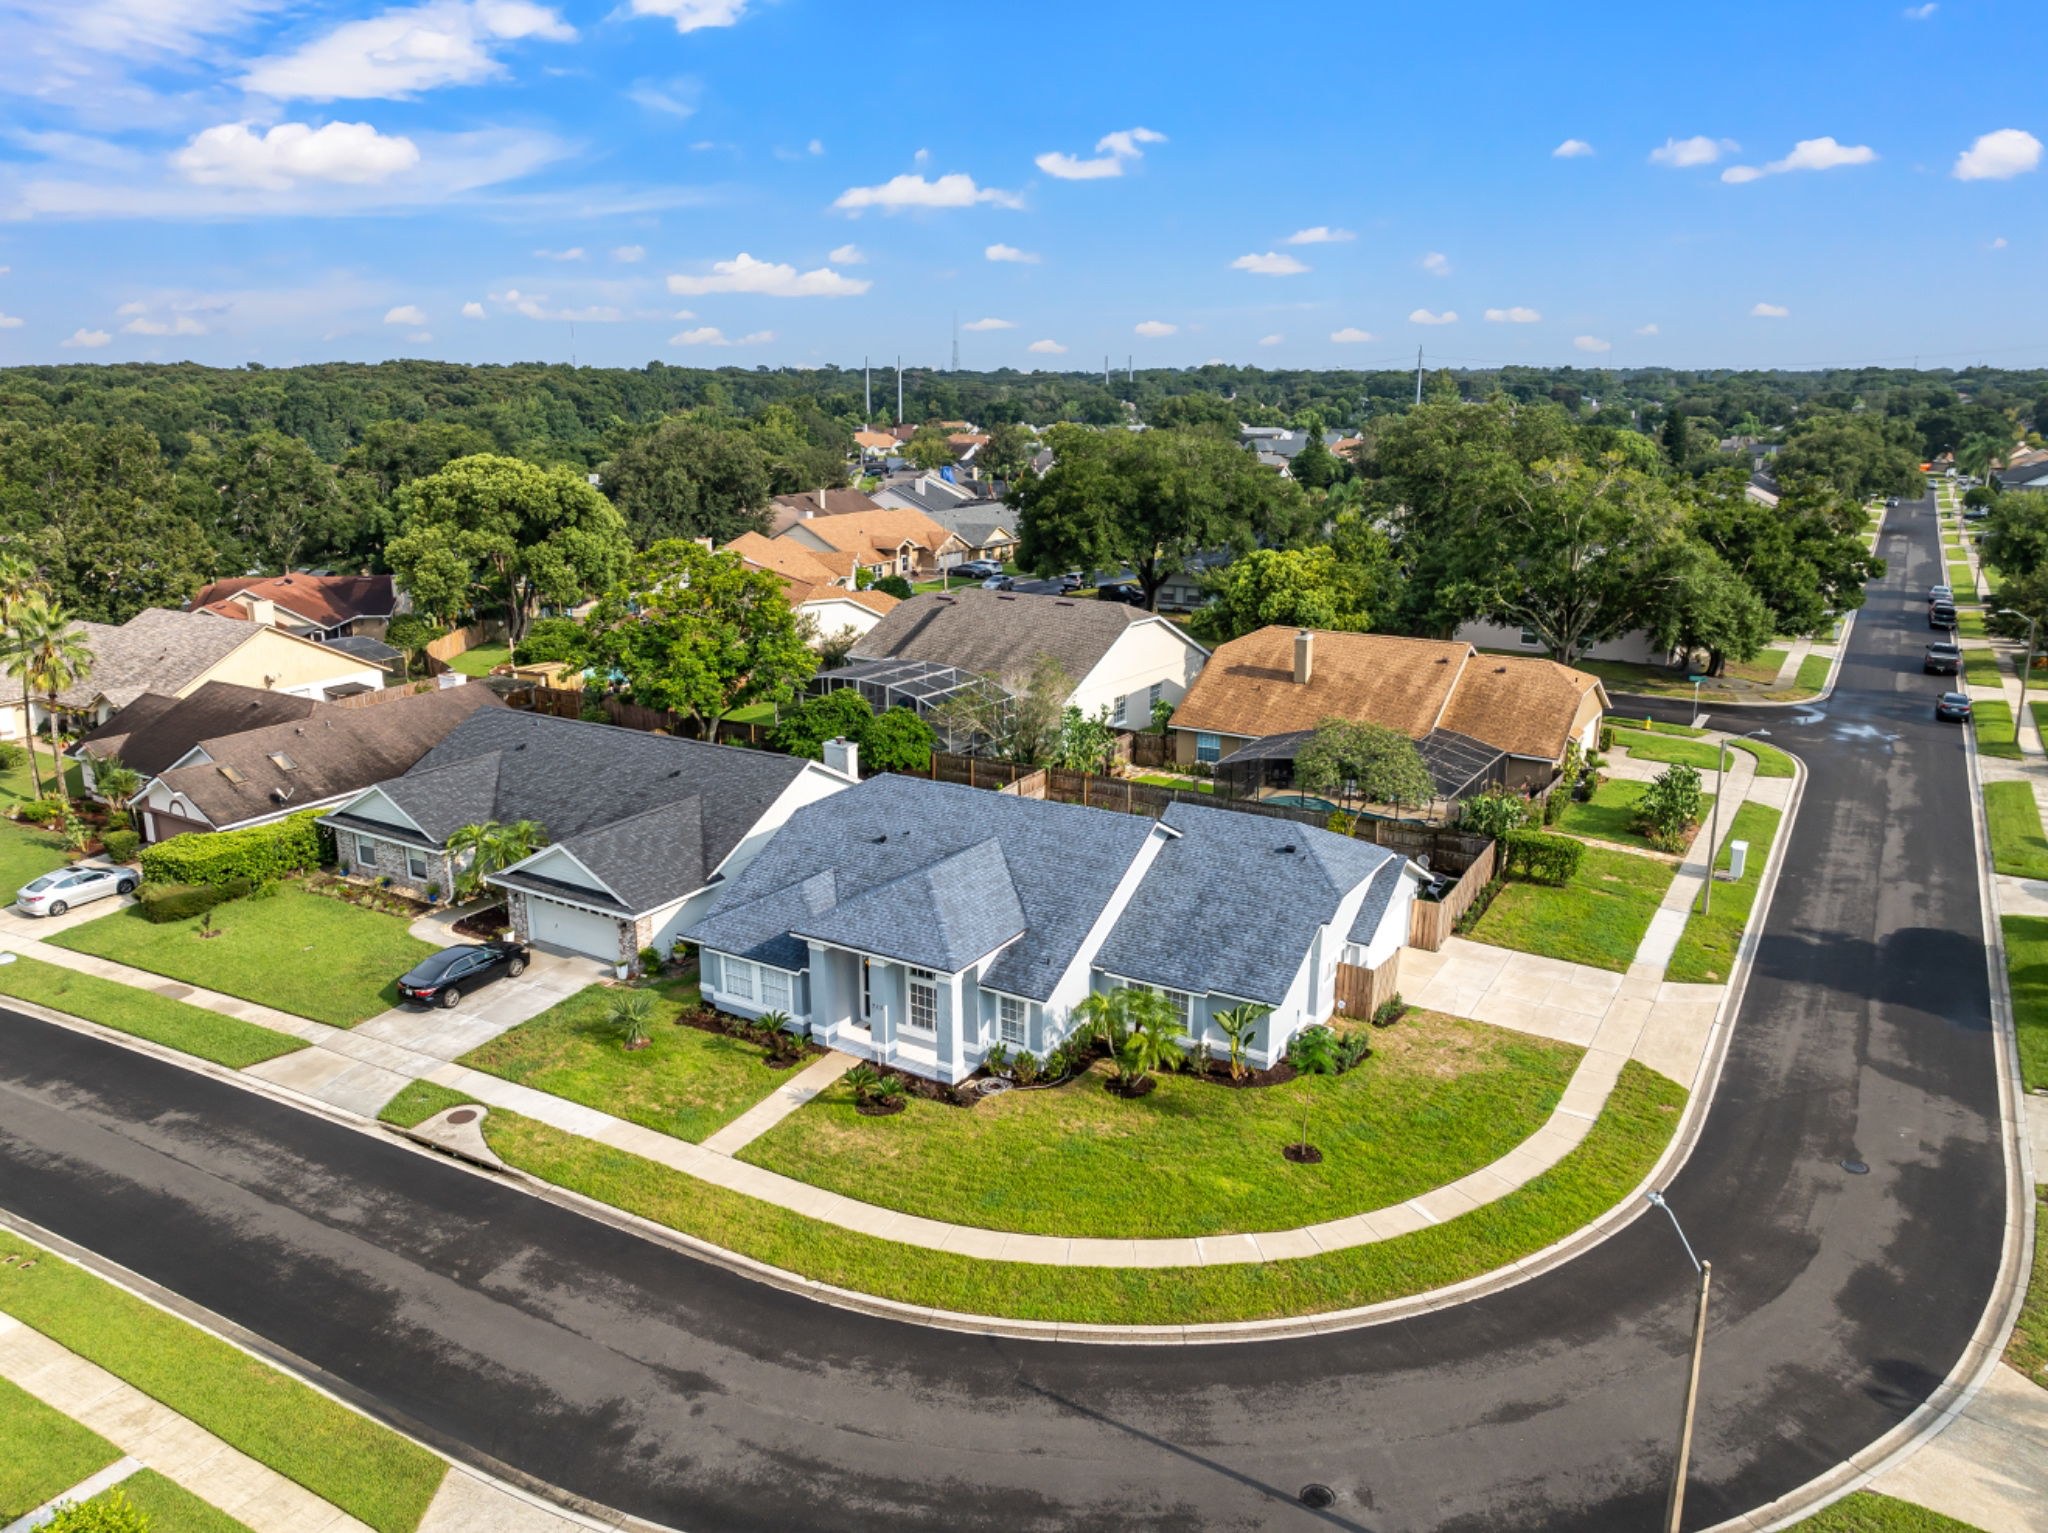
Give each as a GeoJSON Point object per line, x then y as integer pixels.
{"type": "Point", "coordinates": [795, 182]}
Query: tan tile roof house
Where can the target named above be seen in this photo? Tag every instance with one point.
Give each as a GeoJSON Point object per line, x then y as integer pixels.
{"type": "Point", "coordinates": [893, 542]}
{"type": "Point", "coordinates": [1280, 679]}
{"type": "Point", "coordinates": [791, 560]}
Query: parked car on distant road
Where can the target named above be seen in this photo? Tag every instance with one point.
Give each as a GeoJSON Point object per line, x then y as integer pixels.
{"type": "Point", "coordinates": [1943, 659]}
{"type": "Point", "coordinates": [445, 978]}
{"type": "Point", "coordinates": [977, 569]}
{"type": "Point", "coordinates": [1954, 706]}
{"type": "Point", "coordinates": [999, 582]}
{"type": "Point", "coordinates": [1941, 593]}
{"type": "Point", "coordinates": [56, 892]}
{"type": "Point", "coordinates": [1941, 614]}
{"type": "Point", "coordinates": [1134, 595]}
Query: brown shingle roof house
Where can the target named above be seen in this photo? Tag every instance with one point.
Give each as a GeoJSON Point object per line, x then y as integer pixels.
{"type": "Point", "coordinates": [1278, 680]}
{"type": "Point", "coordinates": [301, 603]}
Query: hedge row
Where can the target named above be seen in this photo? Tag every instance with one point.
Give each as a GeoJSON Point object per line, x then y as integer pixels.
{"type": "Point", "coordinates": [255, 855]}
{"type": "Point", "coordinates": [1549, 859]}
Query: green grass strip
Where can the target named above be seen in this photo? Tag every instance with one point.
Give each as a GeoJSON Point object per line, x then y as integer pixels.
{"type": "Point", "coordinates": [344, 1458]}
{"type": "Point", "coordinates": [1655, 726]}
{"type": "Point", "coordinates": [2017, 845]}
{"type": "Point", "coordinates": [419, 1101]}
{"type": "Point", "coordinates": [1770, 761]}
{"type": "Point", "coordinates": [1813, 673]}
{"type": "Point", "coordinates": [190, 1029]}
{"type": "Point", "coordinates": [1970, 624]}
{"type": "Point", "coordinates": [1614, 1157]}
{"type": "Point", "coordinates": [168, 1507]}
{"type": "Point", "coordinates": [1963, 582]}
{"type": "Point", "coordinates": [1980, 668]}
{"type": "Point", "coordinates": [1996, 736]}
{"type": "Point", "coordinates": [2028, 1349]}
{"type": "Point", "coordinates": [43, 1452]}
{"type": "Point", "coordinates": [1706, 949]}
{"type": "Point", "coordinates": [1868, 1512]}
{"type": "Point", "coordinates": [2026, 970]}
{"type": "Point", "coordinates": [1699, 754]}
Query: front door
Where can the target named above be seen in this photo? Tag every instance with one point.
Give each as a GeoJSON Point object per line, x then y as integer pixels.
{"type": "Point", "coordinates": [864, 1019]}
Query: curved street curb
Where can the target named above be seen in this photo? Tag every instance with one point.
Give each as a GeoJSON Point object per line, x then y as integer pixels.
{"type": "Point", "coordinates": [1700, 1092]}
{"type": "Point", "coordinates": [1994, 1326]}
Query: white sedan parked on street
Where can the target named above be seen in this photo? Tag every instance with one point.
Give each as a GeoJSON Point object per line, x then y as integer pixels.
{"type": "Point", "coordinates": [55, 893]}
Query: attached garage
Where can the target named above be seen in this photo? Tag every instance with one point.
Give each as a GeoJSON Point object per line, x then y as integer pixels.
{"type": "Point", "coordinates": [565, 926]}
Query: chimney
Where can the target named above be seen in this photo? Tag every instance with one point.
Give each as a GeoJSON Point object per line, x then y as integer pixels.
{"type": "Point", "coordinates": [1304, 656]}
{"type": "Point", "coordinates": [821, 499]}
{"type": "Point", "coordinates": [843, 756]}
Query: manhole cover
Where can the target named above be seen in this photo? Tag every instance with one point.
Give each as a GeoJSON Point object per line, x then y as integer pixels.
{"type": "Point", "coordinates": [1318, 1495]}
{"type": "Point", "coordinates": [464, 1115]}
{"type": "Point", "coordinates": [1855, 1168]}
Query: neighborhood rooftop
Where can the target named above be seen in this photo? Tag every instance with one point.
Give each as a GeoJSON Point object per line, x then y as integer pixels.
{"type": "Point", "coordinates": [1000, 633]}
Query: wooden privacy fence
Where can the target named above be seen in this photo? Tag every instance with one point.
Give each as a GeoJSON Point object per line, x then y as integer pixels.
{"type": "Point", "coordinates": [381, 695]}
{"type": "Point", "coordinates": [1362, 991]}
{"type": "Point", "coordinates": [567, 703]}
{"type": "Point", "coordinates": [1431, 922]}
{"type": "Point", "coordinates": [1149, 749]}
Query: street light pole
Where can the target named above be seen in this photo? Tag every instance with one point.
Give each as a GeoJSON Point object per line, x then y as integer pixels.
{"type": "Point", "coordinates": [1714, 833]}
{"type": "Point", "coordinates": [1674, 1506]}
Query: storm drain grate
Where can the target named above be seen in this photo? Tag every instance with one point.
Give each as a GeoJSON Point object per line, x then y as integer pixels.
{"type": "Point", "coordinates": [1855, 1168]}
{"type": "Point", "coordinates": [1318, 1495]}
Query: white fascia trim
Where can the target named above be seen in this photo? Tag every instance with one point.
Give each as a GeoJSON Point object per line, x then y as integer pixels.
{"type": "Point", "coordinates": [1178, 632]}
{"type": "Point", "coordinates": [840, 947]}
{"type": "Point", "coordinates": [409, 822]}
{"type": "Point", "coordinates": [557, 851]}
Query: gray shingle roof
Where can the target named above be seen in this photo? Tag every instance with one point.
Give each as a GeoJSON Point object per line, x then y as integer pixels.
{"type": "Point", "coordinates": [944, 916]}
{"type": "Point", "coordinates": [999, 633]}
{"type": "Point", "coordinates": [615, 797]}
{"type": "Point", "coordinates": [1377, 898]}
{"type": "Point", "coordinates": [154, 651]}
{"type": "Point", "coordinates": [1231, 906]}
{"type": "Point", "coordinates": [1062, 863]}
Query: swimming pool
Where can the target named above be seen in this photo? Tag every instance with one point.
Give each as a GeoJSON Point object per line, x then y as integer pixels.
{"type": "Point", "coordinates": [1299, 801]}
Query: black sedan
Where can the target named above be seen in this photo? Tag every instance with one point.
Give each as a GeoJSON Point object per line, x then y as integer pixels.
{"type": "Point", "coordinates": [444, 979]}
{"type": "Point", "coordinates": [1953, 705]}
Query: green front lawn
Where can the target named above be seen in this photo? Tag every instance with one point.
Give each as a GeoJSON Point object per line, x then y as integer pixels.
{"type": "Point", "coordinates": [1654, 726]}
{"type": "Point", "coordinates": [1963, 582]}
{"type": "Point", "coordinates": [43, 1452]}
{"type": "Point", "coordinates": [481, 660]}
{"type": "Point", "coordinates": [419, 1101]}
{"type": "Point", "coordinates": [2028, 1348]}
{"type": "Point", "coordinates": [1706, 949]}
{"type": "Point", "coordinates": [169, 1507]}
{"type": "Point", "coordinates": [26, 852]}
{"type": "Point", "coordinates": [1663, 681]}
{"type": "Point", "coordinates": [175, 1024]}
{"type": "Point", "coordinates": [18, 784]}
{"type": "Point", "coordinates": [1439, 1097]}
{"type": "Point", "coordinates": [1607, 816]}
{"type": "Point", "coordinates": [753, 713]}
{"type": "Point", "coordinates": [1770, 761]}
{"type": "Point", "coordinates": [365, 1469]}
{"type": "Point", "coordinates": [1813, 673]}
{"type": "Point", "coordinates": [302, 953]}
{"type": "Point", "coordinates": [1701, 755]}
{"type": "Point", "coordinates": [1996, 736]}
{"type": "Point", "coordinates": [1598, 918]}
{"type": "Point", "coordinates": [1618, 1152]}
{"type": "Point", "coordinates": [1868, 1512]}
{"type": "Point", "coordinates": [1980, 668]}
{"type": "Point", "coordinates": [688, 1082]}
{"type": "Point", "coordinates": [2017, 844]}
{"type": "Point", "coordinates": [1185, 784]}
{"type": "Point", "coordinates": [2026, 971]}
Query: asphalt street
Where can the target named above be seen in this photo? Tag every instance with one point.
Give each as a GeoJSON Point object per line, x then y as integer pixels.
{"type": "Point", "coordinates": [640, 1378]}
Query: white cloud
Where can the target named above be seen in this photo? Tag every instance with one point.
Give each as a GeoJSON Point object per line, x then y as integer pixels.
{"type": "Point", "coordinates": [1768, 311]}
{"type": "Point", "coordinates": [1591, 343]}
{"type": "Point", "coordinates": [1998, 156]}
{"type": "Point", "coordinates": [1425, 317]}
{"type": "Point", "coordinates": [1921, 12]}
{"type": "Point", "coordinates": [815, 146]}
{"type": "Point", "coordinates": [593, 314]}
{"type": "Point", "coordinates": [898, 192]}
{"type": "Point", "coordinates": [691, 15]}
{"type": "Point", "coordinates": [1347, 335]}
{"type": "Point", "coordinates": [181, 324]}
{"type": "Point", "coordinates": [629, 253]}
{"type": "Point", "coordinates": [404, 51]}
{"type": "Point", "coordinates": [990, 324]}
{"type": "Point", "coordinates": [672, 98]}
{"type": "Point", "coordinates": [711, 335]}
{"type": "Point", "coordinates": [405, 314]}
{"type": "Point", "coordinates": [1049, 348]}
{"type": "Point", "coordinates": [86, 338]}
{"type": "Point", "coordinates": [1572, 149]}
{"type": "Point", "coordinates": [847, 255]}
{"type": "Point", "coordinates": [744, 274]}
{"type": "Point", "coordinates": [1112, 149]}
{"type": "Point", "coordinates": [132, 308]}
{"type": "Point", "coordinates": [1807, 154]}
{"type": "Point", "coordinates": [1647, 330]}
{"type": "Point", "coordinates": [1155, 328]}
{"type": "Point", "coordinates": [922, 157]}
{"type": "Point", "coordinates": [234, 154]}
{"type": "Point", "coordinates": [10, 322]}
{"type": "Point", "coordinates": [1273, 340]}
{"type": "Point", "coordinates": [1698, 150]}
{"type": "Point", "coordinates": [420, 337]}
{"type": "Point", "coordinates": [573, 253]}
{"type": "Point", "coordinates": [1012, 253]}
{"type": "Point", "coordinates": [684, 314]}
{"type": "Point", "coordinates": [1514, 316]}
{"type": "Point", "coordinates": [1996, 244]}
{"type": "Point", "coordinates": [1321, 234]}
{"type": "Point", "coordinates": [1437, 264]}
{"type": "Point", "coordinates": [473, 310]}
{"type": "Point", "coordinates": [1271, 264]}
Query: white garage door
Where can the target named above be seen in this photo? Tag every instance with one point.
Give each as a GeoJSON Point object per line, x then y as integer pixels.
{"type": "Point", "coordinates": [581, 931]}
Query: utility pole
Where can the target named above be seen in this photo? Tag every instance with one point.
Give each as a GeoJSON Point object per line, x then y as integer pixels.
{"type": "Point", "coordinates": [867, 393]}
{"type": "Point", "coordinates": [956, 340]}
{"type": "Point", "coordinates": [1105, 369]}
{"type": "Point", "coordinates": [1130, 368]}
{"type": "Point", "coordinates": [1418, 375]}
{"type": "Point", "coordinates": [1674, 1505]}
{"type": "Point", "coordinates": [899, 388]}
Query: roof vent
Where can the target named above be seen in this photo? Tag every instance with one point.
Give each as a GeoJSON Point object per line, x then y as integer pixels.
{"type": "Point", "coordinates": [231, 774]}
{"type": "Point", "coordinates": [884, 836]}
{"type": "Point", "coordinates": [520, 746]}
{"type": "Point", "coordinates": [1287, 850]}
{"type": "Point", "coordinates": [1004, 596]}
{"type": "Point", "coordinates": [677, 772]}
{"type": "Point", "coordinates": [1063, 603]}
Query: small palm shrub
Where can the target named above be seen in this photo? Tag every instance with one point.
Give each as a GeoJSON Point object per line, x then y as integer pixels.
{"type": "Point", "coordinates": [626, 1012]}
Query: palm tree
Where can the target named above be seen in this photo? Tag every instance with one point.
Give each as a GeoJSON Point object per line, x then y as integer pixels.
{"type": "Point", "coordinates": [18, 582]}
{"type": "Point", "coordinates": [116, 780]}
{"type": "Point", "coordinates": [626, 1013]}
{"type": "Point", "coordinates": [492, 846]}
{"type": "Point", "coordinates": [1977, 455]}
{"type": "Point", "coordinates": [1240, 1024]}
{"type": "Point", "coordinates": [48, 654]}
{"type": "Point", "coordinates": [1140, 1027]}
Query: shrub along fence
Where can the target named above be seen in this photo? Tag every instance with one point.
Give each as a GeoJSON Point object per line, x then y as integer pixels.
{"type": "Point", "coordinates": [256, 855]}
